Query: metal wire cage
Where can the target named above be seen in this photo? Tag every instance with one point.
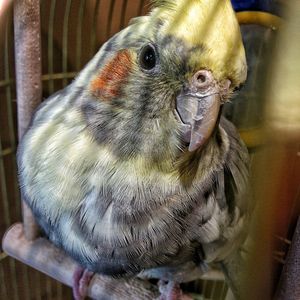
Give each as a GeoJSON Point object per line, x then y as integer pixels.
{"type": "Point", "coordinates": [66, 48]}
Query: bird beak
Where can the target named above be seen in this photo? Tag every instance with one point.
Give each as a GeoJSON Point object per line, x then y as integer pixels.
{"type": "Point", "coordinates": [197, 108]}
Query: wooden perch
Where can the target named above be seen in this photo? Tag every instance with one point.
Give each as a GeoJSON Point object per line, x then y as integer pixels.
{"type": "Point", "coordinates": [42, 255]}
{"type": "Point", "coordinates": [45, 257]}
{"type": "Point", "coordinates": [28, 78]}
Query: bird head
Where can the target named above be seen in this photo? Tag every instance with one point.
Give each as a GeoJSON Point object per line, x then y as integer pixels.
{"type": "Point", "coordinates": [156, 87]}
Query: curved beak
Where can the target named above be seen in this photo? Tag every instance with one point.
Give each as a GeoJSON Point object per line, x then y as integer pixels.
{"type": "Point", "coordinates": [198, 106]}
{"type": "Point", "coordinates": [198, 116]}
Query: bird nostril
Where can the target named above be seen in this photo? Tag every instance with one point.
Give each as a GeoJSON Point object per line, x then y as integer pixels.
{"type": "Point", "coordinates": [202, 79]}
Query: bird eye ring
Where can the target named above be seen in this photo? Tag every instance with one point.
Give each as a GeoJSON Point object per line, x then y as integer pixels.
{"type": "Point", "coordinates": [148, 57]}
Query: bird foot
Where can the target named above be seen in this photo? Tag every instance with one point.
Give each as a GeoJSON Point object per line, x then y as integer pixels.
{"type": "Point", "coordinates": [171, 291]}
{"type": "Point", "coordinates": [81, 280]}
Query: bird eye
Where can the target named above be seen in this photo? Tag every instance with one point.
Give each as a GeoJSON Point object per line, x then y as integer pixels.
{"type": "Point", "coordinates": [148, 57]}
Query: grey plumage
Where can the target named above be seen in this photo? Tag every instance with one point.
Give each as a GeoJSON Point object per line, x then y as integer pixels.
{"type": "Point", "coordinates": [111, 181]}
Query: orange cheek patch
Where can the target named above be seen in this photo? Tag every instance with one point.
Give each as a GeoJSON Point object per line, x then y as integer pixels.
{"type": "Point", "coordinates": [109, 81]}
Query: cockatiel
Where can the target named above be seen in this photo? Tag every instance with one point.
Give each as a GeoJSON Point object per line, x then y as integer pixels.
{"type": "Point", "coordinates": [131, 167]}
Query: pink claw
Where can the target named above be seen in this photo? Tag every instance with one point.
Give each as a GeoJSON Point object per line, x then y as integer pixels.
{"type": "Point", "coordinates": [171, 291]}
{"type": "Point", "coordinates": [81, 280]}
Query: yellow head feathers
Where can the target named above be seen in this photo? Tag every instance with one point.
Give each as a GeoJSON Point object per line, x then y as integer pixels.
{"type": "Point", "coordinates": [210, 24]}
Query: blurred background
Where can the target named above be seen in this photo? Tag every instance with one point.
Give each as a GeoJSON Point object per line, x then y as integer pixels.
{"type": "Point", "coordinates": [266, 111]}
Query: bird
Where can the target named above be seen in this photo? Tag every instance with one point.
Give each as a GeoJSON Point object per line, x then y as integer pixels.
{"type": "Point", "coordinates": [132, 169]}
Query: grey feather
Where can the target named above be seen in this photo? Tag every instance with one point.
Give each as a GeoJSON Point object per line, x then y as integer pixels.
{"type": "Point", "coordinates": [112, 183]}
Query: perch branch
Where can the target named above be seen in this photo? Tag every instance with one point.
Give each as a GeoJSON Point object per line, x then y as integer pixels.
{"type": "Point", "coordinates": [45, 257]}
{"type": "Point", "coordinates": [28, 78]}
